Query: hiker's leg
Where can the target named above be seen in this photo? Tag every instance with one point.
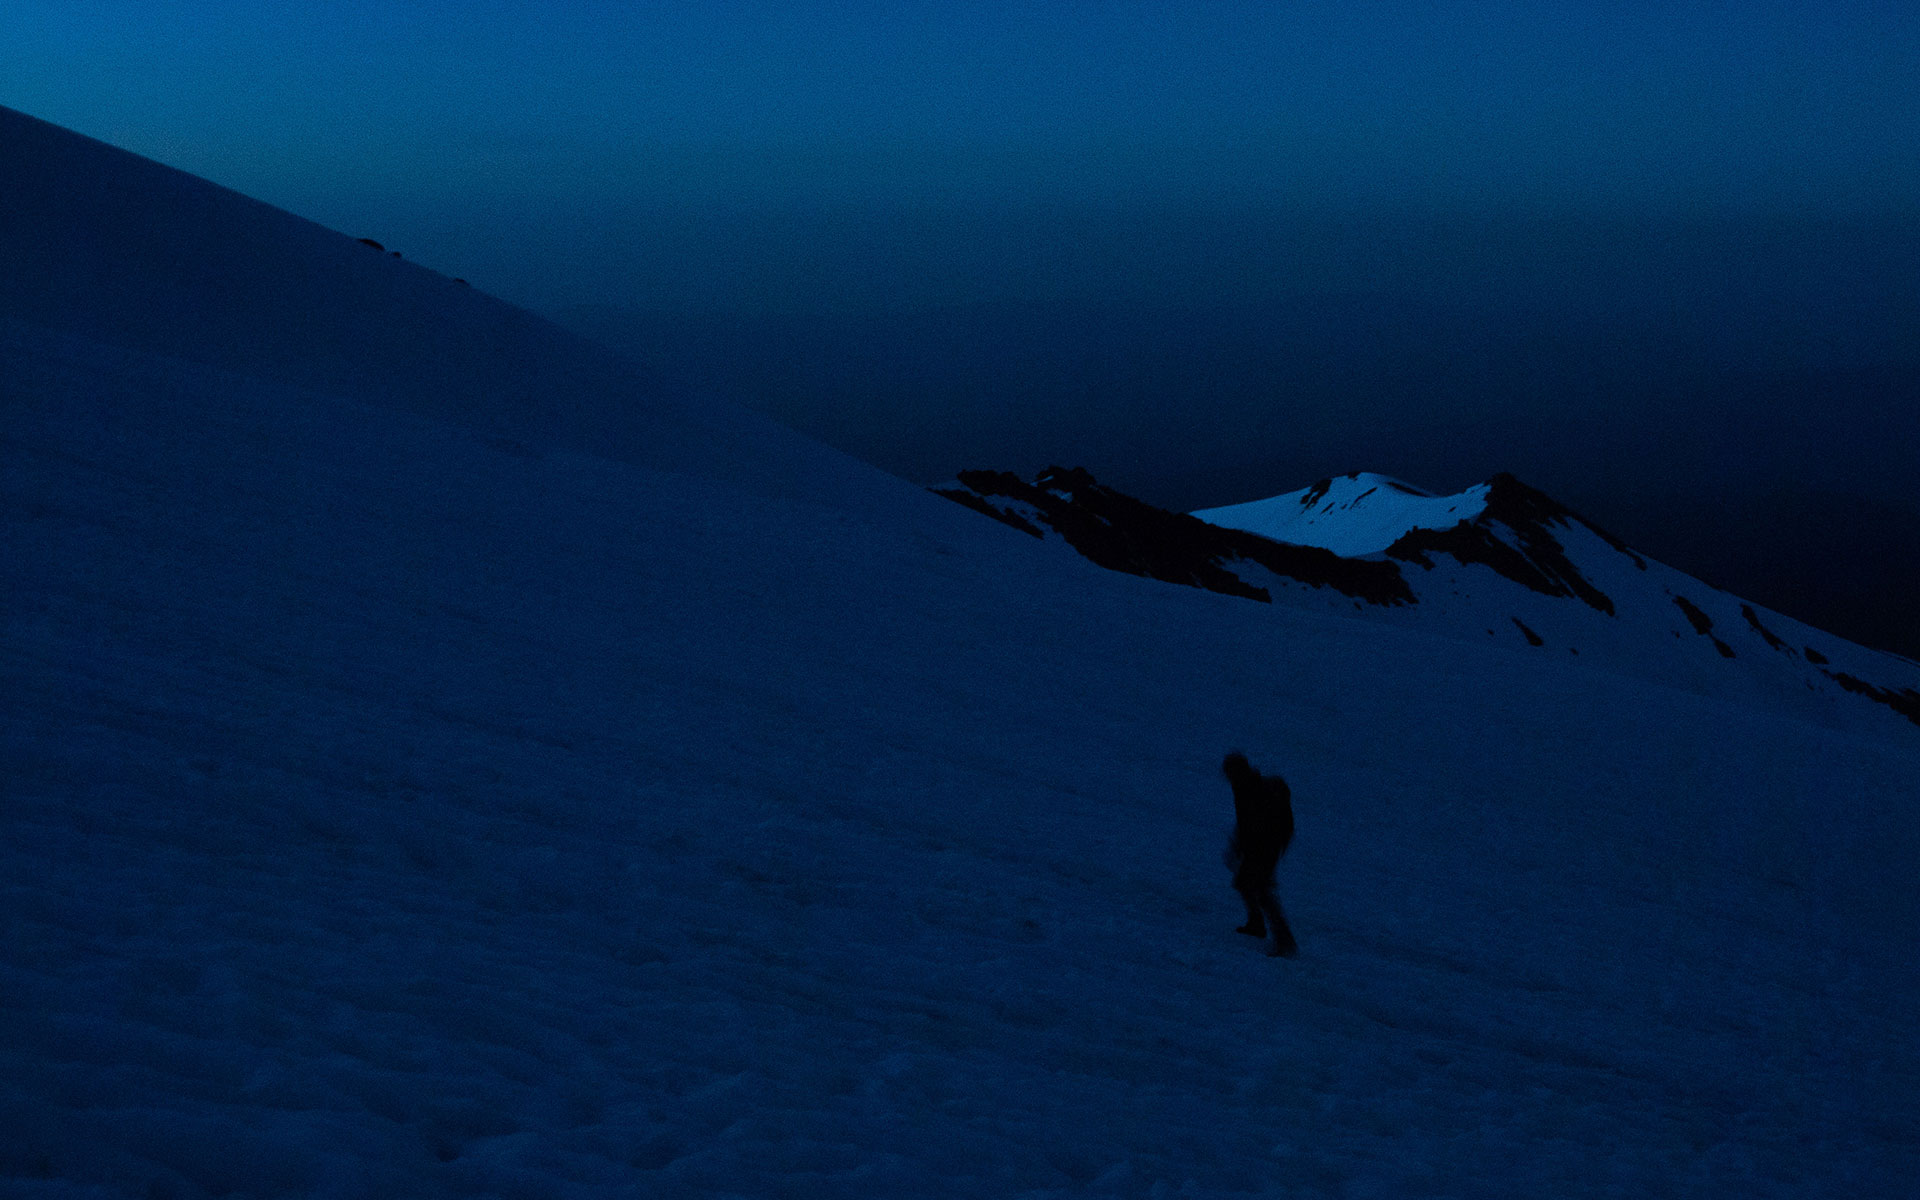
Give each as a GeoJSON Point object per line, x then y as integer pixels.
{"type": "Point", "coordinates": [1256, 925]}
{"type": "Point", "coordinates": [1283, 944]}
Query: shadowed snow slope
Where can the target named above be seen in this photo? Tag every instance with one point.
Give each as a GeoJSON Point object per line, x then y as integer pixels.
{"type": "Point", "coordinates": [394, 806]}
{"type": "Point", "coordinates": [116, 248]}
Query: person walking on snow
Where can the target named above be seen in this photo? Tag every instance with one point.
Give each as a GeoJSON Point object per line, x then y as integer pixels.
{"type": "Point", "coordinates": [1262, 827]}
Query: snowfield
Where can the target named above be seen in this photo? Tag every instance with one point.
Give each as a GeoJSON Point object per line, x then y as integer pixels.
{"type": "Point", "coordinates": [408, 800]}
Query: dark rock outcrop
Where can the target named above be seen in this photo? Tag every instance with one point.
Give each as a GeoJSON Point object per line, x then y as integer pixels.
{"type": "Point", "coordinates": [1772, 639]}
{"type": "Point", "coordinates": [1121, 533]}
{"type": "Point", "coordinates": [1703, 624]}
{"type": "Point", "coordinates": [1904, 701]}
{"type": "Point", "coordinates": [1534, 559]}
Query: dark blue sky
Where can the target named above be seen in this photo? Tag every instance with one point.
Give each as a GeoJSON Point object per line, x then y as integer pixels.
{"type": "Point", "coordinates": [530, 146]}
{"type": "Point", "coordinates": [1659, 259]}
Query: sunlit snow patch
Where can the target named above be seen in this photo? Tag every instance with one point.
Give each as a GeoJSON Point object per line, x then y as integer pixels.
{"type": "Point", "coordinates": [1352, 515]}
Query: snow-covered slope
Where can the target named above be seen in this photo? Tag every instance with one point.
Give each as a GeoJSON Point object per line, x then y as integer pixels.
{"type": "Point", "coordinates": [1502, 559]}
{"type": "Point", "coordinates": [115, 248]}
{"type": "Point", "coordinates": [1499, 563]}
{"type": "Point", "coordinates": [393, 807]}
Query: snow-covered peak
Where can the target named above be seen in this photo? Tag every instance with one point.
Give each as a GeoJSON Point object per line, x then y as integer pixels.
{"type": "Point", "coordinates": [1500, 560]}
{"type": "Point", "coordinates": [1353, 515]}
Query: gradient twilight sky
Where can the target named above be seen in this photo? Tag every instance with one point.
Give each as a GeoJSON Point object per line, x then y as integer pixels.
{"type": "Point", "coordinates": [563, 127]}
{"type": "Point", "coordinates": [1660, 258]}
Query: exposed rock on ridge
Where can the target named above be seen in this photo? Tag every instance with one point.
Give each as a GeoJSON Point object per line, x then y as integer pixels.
{"type": "Point", "coordinates": [1558, 581]}
{"type": "Point", "coordinates": [1124, 534]}
{"type": "Point", "coordinates": [1538, 561]}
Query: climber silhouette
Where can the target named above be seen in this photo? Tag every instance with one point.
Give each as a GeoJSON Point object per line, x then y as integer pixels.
{"type": "Point", "coordinates": [1262, 828]}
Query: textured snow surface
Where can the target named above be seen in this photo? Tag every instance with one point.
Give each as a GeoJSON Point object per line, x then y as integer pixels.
{"type": "Point", "coordinates": [1351, 515]}
{"type": "Point", "coordinates": [393, 808]}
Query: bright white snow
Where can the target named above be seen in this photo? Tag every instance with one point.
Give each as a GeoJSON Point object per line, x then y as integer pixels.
{"type": "Point", "coordinates": [395, 807]}
{"type": "Point", "coordinates": [1352, 515]}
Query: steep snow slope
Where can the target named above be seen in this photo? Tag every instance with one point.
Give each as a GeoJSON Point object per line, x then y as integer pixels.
{"type": "Point", "coordinates": [396, 809]}
{"type": "Point", "coordinates": [113, 247]}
